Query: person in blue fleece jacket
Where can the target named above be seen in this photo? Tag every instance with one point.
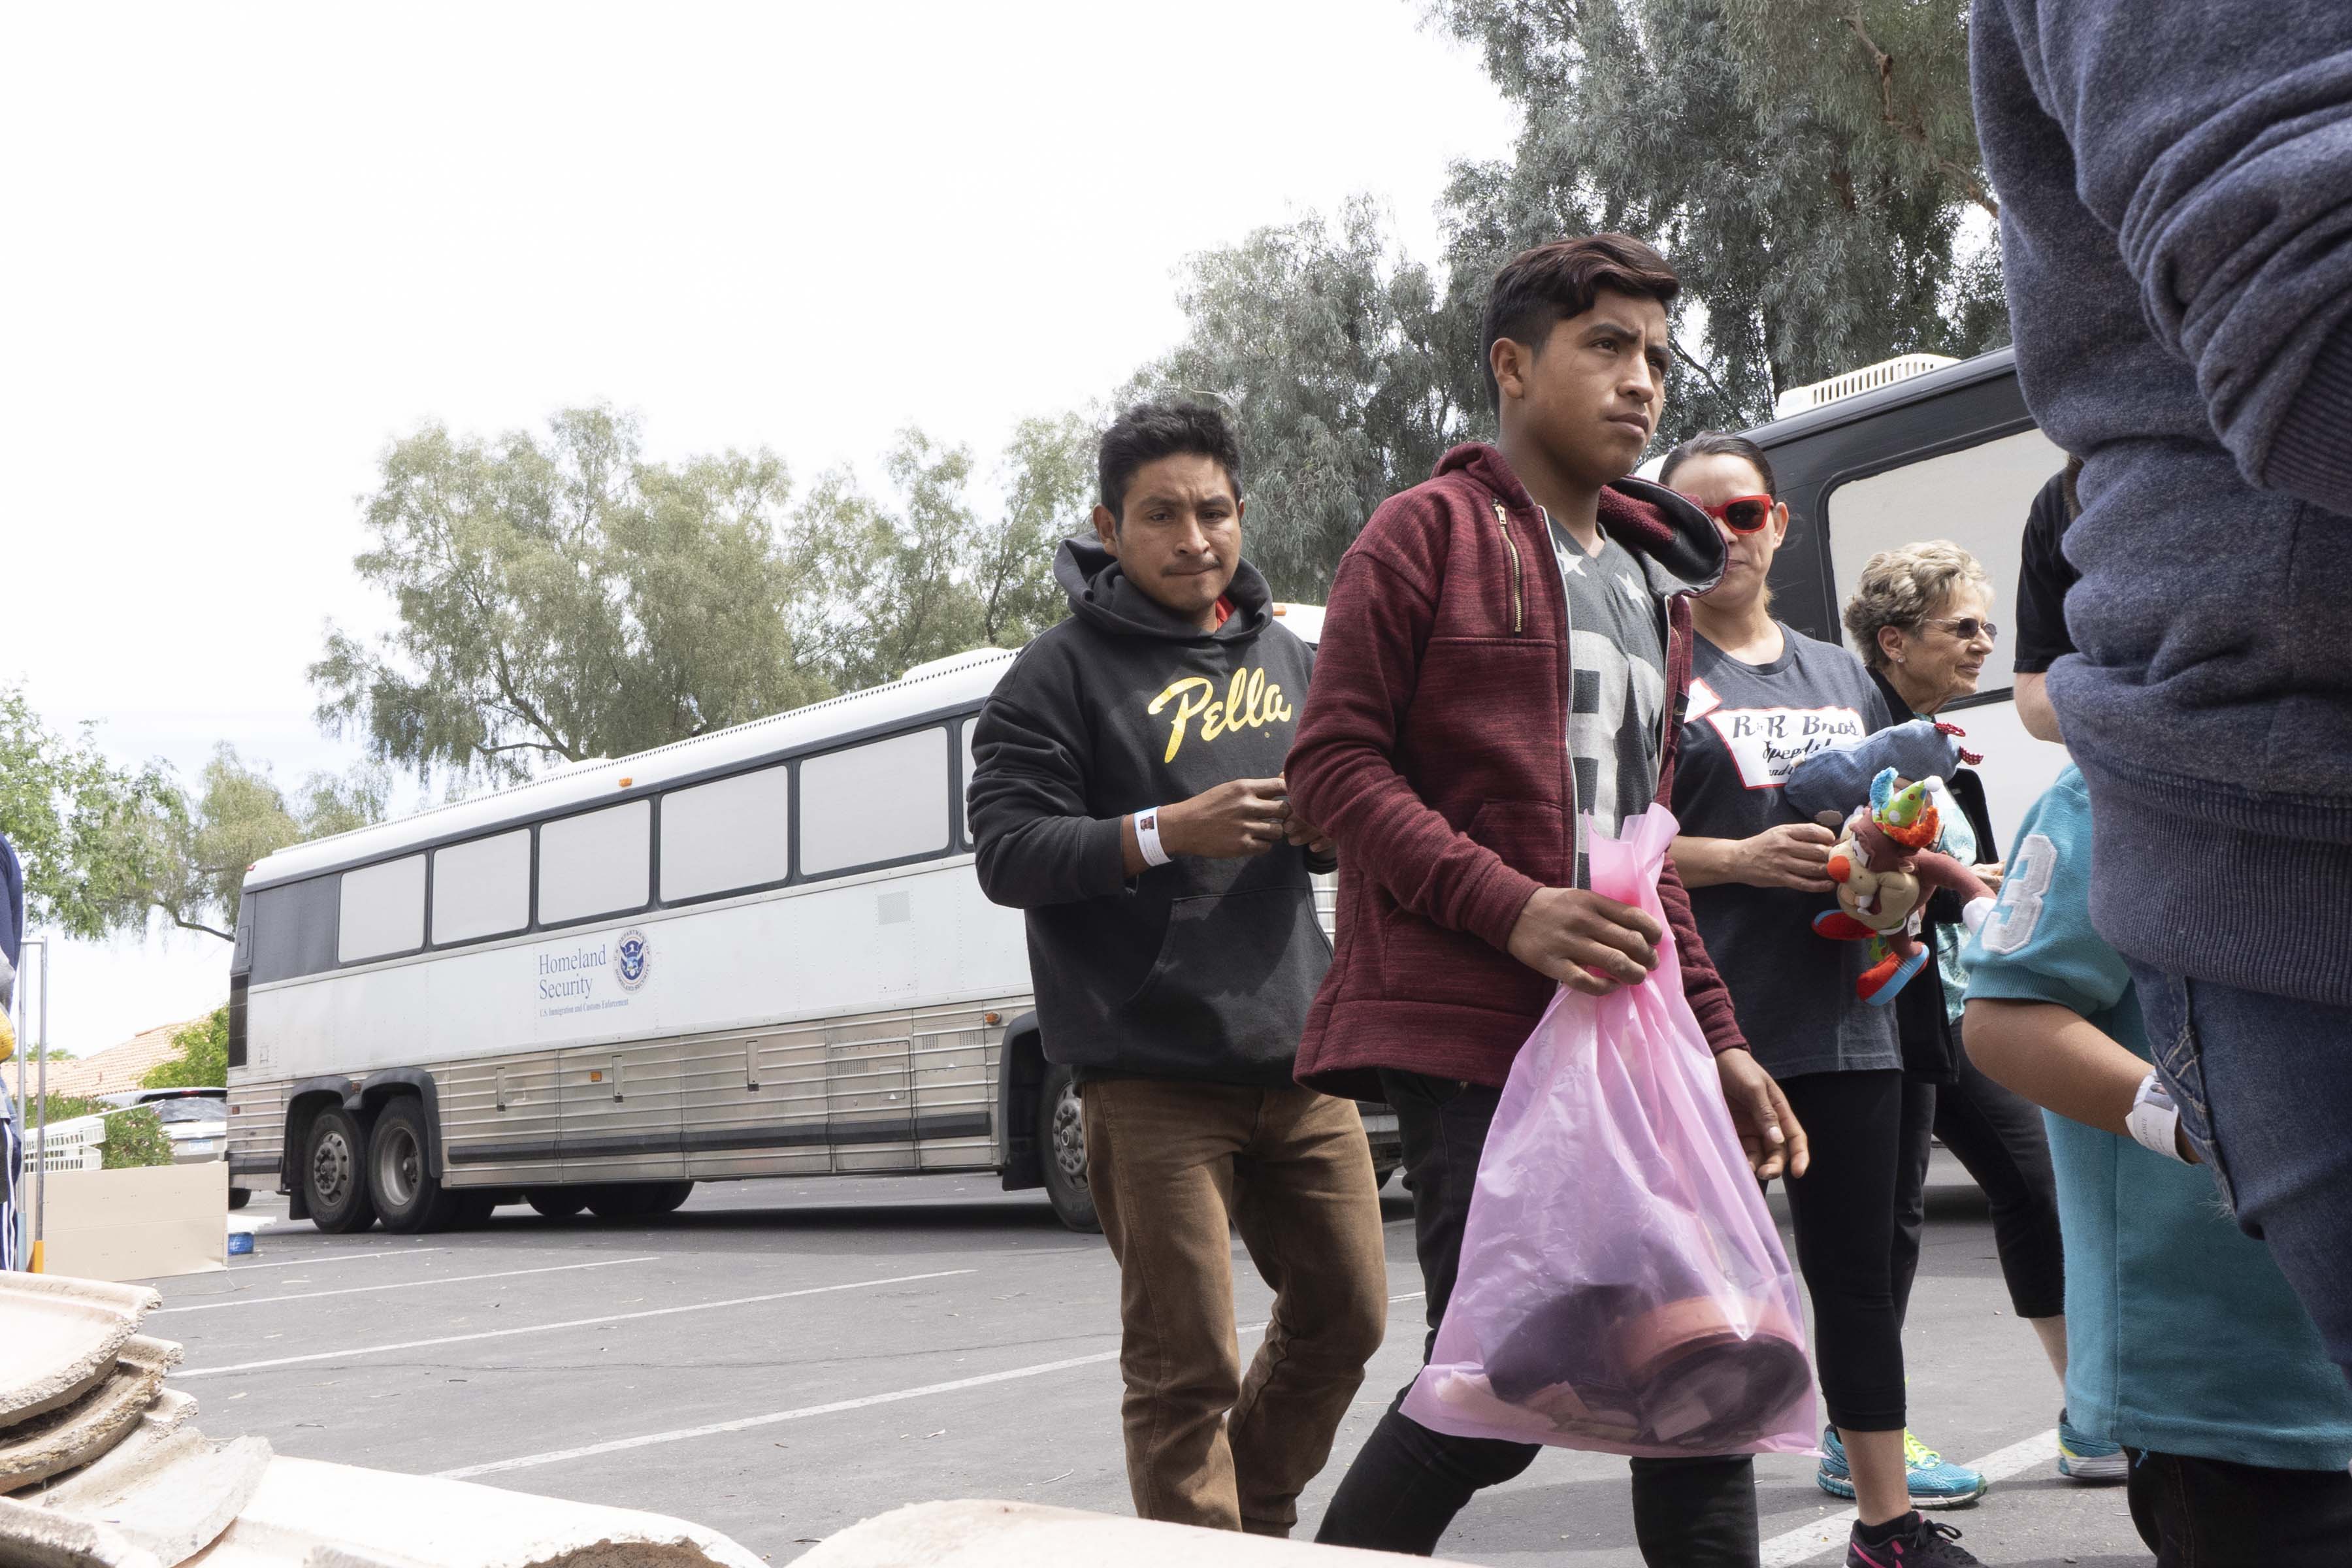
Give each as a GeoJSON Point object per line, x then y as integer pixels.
{"type": "Point", "coordinates": [2176, 227]}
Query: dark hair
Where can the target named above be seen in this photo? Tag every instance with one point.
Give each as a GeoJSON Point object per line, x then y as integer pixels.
{"type": "Point", "coordinates": [1150, 431]}
{"type": "Point", "coordinates": [1714, 444]}
{"type": "Point", "coordinates": [1537, 290]}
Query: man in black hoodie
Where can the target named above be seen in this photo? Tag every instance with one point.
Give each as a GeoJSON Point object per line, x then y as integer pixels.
{"type": "Point", "coordinates": [1127, 794]}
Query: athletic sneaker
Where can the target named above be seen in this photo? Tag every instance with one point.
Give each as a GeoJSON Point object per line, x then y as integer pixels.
{"type": "Point", "coordinates": [2083, 1457]}
{"type": "Point", "coordinates": [1931, 1544]}
{"type": "Point", "coordinates": [1932, 1482]}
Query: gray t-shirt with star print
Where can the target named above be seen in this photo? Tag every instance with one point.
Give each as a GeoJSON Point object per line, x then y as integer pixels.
{"type": "Point", "coordinates": [1616, 711]}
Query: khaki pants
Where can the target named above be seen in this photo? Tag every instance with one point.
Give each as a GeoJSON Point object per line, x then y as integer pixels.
{"type": "Point", "coordinates": [1175, 1168]}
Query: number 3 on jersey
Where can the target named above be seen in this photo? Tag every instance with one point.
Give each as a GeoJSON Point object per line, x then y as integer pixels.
{"type": "Point", "coordinates": [2011, 925]}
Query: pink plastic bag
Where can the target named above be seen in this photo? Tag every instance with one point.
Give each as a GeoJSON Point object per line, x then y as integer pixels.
{"type": "Point", "coordinates": [1622, 1286]}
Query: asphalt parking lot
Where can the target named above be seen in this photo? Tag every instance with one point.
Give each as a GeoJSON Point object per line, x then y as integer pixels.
{"type": "Point", "coordinates": [783, 1358]}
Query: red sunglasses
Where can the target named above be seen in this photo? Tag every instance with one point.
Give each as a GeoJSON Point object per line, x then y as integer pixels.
{"type": "Point", "coordinates": [1741, 514]}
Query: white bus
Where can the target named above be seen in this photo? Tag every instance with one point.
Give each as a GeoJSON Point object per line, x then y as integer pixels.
{"type": "Point", "coordinates": [762, 952]}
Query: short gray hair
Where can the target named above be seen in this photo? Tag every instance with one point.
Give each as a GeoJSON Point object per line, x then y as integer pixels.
{"type": "Point", "coordinates": [1903, 587]}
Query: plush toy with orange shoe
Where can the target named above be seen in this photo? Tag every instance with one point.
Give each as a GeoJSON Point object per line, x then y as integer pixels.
{"type": "Point", "coordinates": [1885, 867]}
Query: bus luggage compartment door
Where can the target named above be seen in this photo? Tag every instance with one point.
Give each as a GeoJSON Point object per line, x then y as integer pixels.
{"type": "Point", "coordinates": [755, 1104]}
{"type": "Point", "coordinates": [624, 1119]}
{"type": "Point", "coordinates": [869, 1094]}
{"type": "Point", "coordinates": [500, 1116]}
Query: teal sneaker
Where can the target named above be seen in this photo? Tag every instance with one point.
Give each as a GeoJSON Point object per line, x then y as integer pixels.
{"type": "Point", "coordinates": [1932, 1482]}
{"type": "Point", "coordinates": [2083, 1457]}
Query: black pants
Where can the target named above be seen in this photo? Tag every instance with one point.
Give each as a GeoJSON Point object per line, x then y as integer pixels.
{"type": "Point", "coordinates": [1999, 1141]}
{"type": "Point", "coordinates": [1844, 1209]}
{"type": "Point", "coordinates": [1408, 1482]}
{"type": "Point", "coordinates": [2210, 1513]}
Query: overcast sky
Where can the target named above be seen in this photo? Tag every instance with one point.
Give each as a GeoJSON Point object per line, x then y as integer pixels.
{"type": "Point", "coordinates": [247, 245]}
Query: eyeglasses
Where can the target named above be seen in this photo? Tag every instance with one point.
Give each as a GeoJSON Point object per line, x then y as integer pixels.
{"type": "Point", "coordinates": [1741, 514]}
{"type": "Point", "coordinates": [1967, 628]}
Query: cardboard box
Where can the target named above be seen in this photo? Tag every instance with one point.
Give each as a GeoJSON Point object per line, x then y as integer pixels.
{"type": "Point", "coordinates": [140, 1223]}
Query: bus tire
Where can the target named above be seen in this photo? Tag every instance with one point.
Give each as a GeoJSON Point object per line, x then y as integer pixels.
{"type": "Point", "coordinates": [408, 1197]}
{"type": "Point", "coordinates": [1062, 1151]}
{"type": "Point", "coordinates": [335, 1172]}
{"type": "Point", "coordinates": [474, 1210]}
{"type": "Point", "coordinates": [239, 1196]}
{"type": "Point", "coordinates": [638, 1200]}
{"type": "Point", "coordinates": [556, 1202]}
{"type": "Point", "coordinates": [1382, 1173]}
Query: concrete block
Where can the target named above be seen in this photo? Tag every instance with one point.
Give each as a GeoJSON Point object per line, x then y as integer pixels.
{"type": "Point", "coordinates": [140, 1223]}
{"type": "Point", "coordinates": [161, 1424]}
{"type": "Point", "coordinates": [175, 1500]}
{"type": "Point", "coordinates": [983, 1535]}
{"type": "Point", "coordinates": [79, 1432]}
{"type": "Point", "coordinates": [62, 1336]}
{"type": "Point", "coordinates": [338, 1516]}
{"type": "Point", "coordinates": [35, 1538]}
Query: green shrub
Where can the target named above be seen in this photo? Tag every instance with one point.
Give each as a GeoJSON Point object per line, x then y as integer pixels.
{"type": "Point", "coordinates": [133, 1137]}
{"type": "Point", "coordinates": [202, 1061]}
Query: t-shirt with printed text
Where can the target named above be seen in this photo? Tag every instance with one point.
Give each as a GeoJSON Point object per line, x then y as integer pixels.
{"type": "Point", "coordinates": [1746, 727]}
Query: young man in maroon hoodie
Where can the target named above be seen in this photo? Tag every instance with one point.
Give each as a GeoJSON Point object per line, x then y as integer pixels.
{"type": "Point", "coordinates": [1506, 648]}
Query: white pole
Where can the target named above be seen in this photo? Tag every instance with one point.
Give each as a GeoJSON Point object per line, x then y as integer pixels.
{"type": "Point", "coordinates": [41, 1177]}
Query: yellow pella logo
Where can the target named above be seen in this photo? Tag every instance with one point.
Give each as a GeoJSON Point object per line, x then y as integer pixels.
{"type": "Point", "coordinates": [1251, 702]}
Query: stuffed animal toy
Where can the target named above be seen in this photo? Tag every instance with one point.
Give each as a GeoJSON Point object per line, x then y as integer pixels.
{"type": "Point", "coordinates": [1885, 867]}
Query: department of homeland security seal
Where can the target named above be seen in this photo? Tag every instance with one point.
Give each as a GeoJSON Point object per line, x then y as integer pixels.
{"type": "Point", "coordinates": [630, 959]}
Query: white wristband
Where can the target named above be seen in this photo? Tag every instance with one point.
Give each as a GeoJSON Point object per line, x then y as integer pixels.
{"type": "Point", "coordinates": [1147, 836]}
{"type": "Point", "coordinates": [2154, 1120]}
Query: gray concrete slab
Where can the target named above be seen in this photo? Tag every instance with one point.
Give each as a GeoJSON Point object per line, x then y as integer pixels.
{"type": "Point", "coordinates": [739, 1365]}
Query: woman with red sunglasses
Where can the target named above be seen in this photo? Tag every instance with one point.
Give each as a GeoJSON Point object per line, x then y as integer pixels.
{"type": "Point", "coordinates": [1764, 696]}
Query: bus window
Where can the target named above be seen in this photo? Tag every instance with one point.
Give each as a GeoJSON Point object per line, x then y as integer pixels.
{"type": "Point", "coordinates": [725, 835]}
{"type": "Point", "coordinates": [968, 726]}
{"type": "Point", "coordinates": [597, 863]}
{"type": "Point", "coordinates": [1977, 498]}
{"type": "Point", "coordinates": [887, 800]}
{"type": "Point", "coordinates": [382, 910]}
{"type": "Point", "coordinates": [482, 888]}
{"type": "Point", "coordinates": [293, 929]}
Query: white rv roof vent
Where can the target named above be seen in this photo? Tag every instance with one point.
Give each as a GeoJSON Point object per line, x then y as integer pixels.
{"type": "Point", "coordinates": [1869, 378]}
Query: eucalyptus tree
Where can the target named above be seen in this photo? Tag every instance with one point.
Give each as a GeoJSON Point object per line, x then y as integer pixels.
{"type": "Point", "coordinates": [558, 595]}
{"type": "Point", "coordinates": [1339, 361]}
{"type": "Point", "coordinates": [1811, 237]}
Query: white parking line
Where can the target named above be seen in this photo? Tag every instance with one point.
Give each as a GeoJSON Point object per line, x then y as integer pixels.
{"type": "Point", "coordinates": [400, 1284]}
{"type": "Point", "coordinates": [338, 1257]}
{"type": "Point", "coordinates": [1829, 1533]}
{"type": "Point", "coordinates": [569, 1323]}
{"type": "Point", "coordinates": [717, 1428]}
{"type": "Point", "coordinates": [619, 1445]}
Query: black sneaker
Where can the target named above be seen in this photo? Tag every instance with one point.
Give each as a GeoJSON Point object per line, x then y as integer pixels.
{"type": "Point", "coordinates": [1931, 1543]}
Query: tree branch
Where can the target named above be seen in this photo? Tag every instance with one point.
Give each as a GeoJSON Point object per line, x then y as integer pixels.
{"type": "Point", "coordinates": [176, 919]}
{"type": "Point", "coordinates": [1970, 183]}
{"type": "Point", "coordinates": [506, 685]}
{"type": "Point", "coordinates": [1706, 374]}
{"type": "Point", "coordinates": [524, 746]}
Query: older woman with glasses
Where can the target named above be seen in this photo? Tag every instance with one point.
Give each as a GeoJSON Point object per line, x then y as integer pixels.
{"type": "Point", "coordinates": [1921, 617]}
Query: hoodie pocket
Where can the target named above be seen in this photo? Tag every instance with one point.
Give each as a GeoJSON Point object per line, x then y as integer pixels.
{"type": "Point", "coordinates": [1236, 973]}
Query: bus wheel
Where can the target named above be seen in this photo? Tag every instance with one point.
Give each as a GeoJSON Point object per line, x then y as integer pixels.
{"type": "Point", "coordinates": [1062, 1150]}
{"type": "Point", "coordinates": [556, 1202]}
{"type": "Point", "coordinates": [638, 1200]}
{"type": "Point", "coordinates": [334, 1174]}
{"type": "Point", "coordinates": [408, 1196]}
{"type": "Point", "coordinates": [239, 1196]}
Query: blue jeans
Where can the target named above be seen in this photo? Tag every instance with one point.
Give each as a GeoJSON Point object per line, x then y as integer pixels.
{"type": "Point", "coordinates": [2264, 1087]}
